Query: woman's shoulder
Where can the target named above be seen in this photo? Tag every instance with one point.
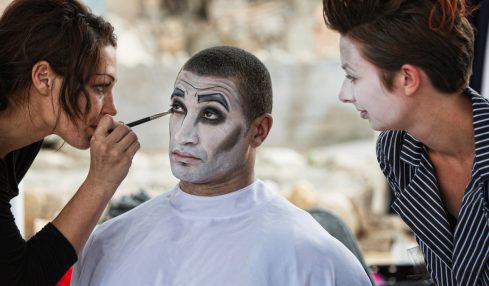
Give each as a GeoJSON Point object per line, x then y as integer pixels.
{"type": "Point", "coordinates": [27, 152]}
{"type": "Point", "coordinates": [18, 162]}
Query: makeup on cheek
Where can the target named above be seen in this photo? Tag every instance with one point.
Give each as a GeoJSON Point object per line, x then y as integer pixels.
{"type": "Point", "coordinates": [231, 140]}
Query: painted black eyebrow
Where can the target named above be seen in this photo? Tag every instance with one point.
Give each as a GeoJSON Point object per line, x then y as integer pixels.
{"type": "Point", "coordinates": [178, 92]}
{"type": "Point", "coordinates": [218, 97]}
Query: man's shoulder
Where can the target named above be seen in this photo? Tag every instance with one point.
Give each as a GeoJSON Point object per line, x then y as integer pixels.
{"type": "Point", "coordinates": [313, 245]}
{"type": "Point", "coordinates": [145, 211]}
{"type": "Point", "coordinates": [300, 227]}
{"type": "Point", "coordinates": [288, 220]}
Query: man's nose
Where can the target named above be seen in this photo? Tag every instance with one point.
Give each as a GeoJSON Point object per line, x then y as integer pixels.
{"type": "Point", "coordinates": [187, 132]}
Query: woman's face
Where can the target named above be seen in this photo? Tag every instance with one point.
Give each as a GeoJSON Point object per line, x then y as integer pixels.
{"type": "Point", "coordinates": [363, 88]}
{"type": "Point", "coordinates": [99, 88]}
{"type": "Point", "coordinates": [208, 130]}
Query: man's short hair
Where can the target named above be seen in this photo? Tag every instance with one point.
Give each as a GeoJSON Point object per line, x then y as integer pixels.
{"type": "Point", "coordinates": [248, 72]}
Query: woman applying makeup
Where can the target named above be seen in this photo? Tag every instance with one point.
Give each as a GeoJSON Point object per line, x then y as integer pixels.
{"type": "Point", "coordinates": [408, 65]}
{"type": "Point", "coordinates": [57, 72]}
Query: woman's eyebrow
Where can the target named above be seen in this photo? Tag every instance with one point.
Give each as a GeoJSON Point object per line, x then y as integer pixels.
{"type": "Point", "coordinates": [109, 75]}
{"type": "Point", "coordinates": [217, 97]}
{"type": "Point", "coordinates": [346, 67]}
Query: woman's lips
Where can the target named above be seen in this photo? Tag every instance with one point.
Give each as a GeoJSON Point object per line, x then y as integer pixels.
{"type": "Point", "coordinates": [89, 131]}
{"type": "Point", "coordinates": [363, 113]}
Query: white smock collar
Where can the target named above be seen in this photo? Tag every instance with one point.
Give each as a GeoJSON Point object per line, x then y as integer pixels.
{"type": "Point", "coordinates": [223, 206]}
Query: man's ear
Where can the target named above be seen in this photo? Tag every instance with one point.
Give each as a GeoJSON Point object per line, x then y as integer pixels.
{"type": "Point", "coordinates": [410, 79]}
{"type": "Point", "coordinates": [260, 127]}
{"type": "Point", "coordinates": [42, 77]}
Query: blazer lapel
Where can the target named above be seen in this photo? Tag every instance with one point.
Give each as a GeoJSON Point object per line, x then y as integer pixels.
{"type": "Point", "coordinates": [471, 250]}
{"type": "Point", "coordinates": [419, 205]}
{"type": "Point", "coordinates": [471, 244]}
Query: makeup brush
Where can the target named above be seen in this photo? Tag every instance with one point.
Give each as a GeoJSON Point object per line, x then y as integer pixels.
{"type": "Point", "coordinates": [149, 118]}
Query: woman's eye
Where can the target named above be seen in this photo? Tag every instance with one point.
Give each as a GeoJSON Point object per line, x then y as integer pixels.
{"type": "Point", "coordinates": [351, 78]}
{"type": "Point", "coordinates": [101, 88]}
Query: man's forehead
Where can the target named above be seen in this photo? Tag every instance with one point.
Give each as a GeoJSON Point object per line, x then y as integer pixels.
{"type": "Point", "coordinates": [199, 82]}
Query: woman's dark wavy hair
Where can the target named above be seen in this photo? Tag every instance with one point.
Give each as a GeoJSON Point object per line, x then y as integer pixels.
{"type": "Point", "coordinates": [434, 35]}
{"type": "Point", "coordinates": [62, 32]}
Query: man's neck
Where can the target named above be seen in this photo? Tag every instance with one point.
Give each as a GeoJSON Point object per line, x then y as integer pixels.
{"type": "Point", "coordinates": [219, 187]}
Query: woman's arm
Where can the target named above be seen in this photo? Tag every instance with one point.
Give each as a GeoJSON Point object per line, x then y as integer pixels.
{"type": "Point", "coordinates": [112, 148]}
{"type": "Point", "coordinates": [44, 258]}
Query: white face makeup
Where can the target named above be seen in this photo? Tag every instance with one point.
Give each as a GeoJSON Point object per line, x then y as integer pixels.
{"type": "Point", "coordinates": [207, 129]}
{"type": "Point", "coordinates": [100, 91]}
{"type": "Point", "coordinates": [363, 88]}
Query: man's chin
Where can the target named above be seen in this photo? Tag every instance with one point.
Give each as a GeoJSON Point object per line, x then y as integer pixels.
{"type": "Point", "coordinates": [187, 177]}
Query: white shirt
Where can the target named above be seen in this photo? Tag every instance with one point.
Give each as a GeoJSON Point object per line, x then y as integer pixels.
{"type": "Point", "coordinates": [250, 237]}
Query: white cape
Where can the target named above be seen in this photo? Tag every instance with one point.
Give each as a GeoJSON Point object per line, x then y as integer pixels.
{"type": "Point", "coordinates": [250, 237]}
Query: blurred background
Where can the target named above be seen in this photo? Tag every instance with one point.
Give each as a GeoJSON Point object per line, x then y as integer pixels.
{"type": "Point", "coordinates": [320, 153]}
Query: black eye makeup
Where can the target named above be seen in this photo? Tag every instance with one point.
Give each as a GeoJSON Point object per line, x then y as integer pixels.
{"type": "Point", "coordinates": [178, 107]}
{"type": "Point", "coordinates": [212, 115]}
{"type": "Point", "coordinates": [177, 92]}
{"type": "Point", "coordinates": [214, 97]}
{"type": "Point", "coordinates": [211, 107]}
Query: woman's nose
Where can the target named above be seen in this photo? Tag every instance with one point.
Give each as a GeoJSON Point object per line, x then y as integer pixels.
{"type": "Point", "coordinates": [109, 106]}
{"type": "Point", "coordinates": [346, 94]}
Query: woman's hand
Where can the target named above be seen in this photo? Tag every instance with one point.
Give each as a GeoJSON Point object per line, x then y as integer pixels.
{"type": "Point", "coordinates": [112, 147]}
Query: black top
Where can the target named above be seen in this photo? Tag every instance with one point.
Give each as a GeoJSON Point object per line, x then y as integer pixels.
{"type": "Point", "coordinates": [44, 258]}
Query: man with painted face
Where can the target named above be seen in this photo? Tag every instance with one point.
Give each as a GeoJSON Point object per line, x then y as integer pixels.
{"type": "Point", "coordinates": [219, 225]}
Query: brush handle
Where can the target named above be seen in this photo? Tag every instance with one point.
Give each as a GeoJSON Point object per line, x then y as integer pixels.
{"type": "Point", "coordinates": [140, 121]}
{"type": "Point", "coordinates": [149, 118]}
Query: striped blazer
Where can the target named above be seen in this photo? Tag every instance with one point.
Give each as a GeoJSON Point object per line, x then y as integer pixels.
{"type": "Point", "coordinates": [459, 257]}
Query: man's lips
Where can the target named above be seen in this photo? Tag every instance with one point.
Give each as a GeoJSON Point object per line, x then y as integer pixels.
{"type": "Point", "coordinates": [183, 156]}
